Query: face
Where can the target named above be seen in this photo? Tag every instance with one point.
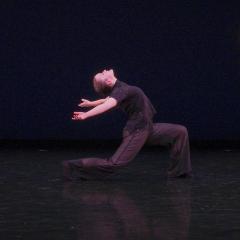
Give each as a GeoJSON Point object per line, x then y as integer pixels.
{"type": "Point", "coordinates": [106, 76]}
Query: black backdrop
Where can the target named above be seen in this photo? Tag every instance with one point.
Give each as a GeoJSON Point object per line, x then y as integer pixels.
{"type": "Point", "coordinates": [183, 54]}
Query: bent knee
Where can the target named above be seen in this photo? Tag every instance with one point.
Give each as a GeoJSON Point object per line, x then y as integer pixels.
{"type": "Point", "coordinates": [182, 130]}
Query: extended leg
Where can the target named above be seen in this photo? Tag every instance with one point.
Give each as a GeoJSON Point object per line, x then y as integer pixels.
{"type": "Point", "coordinates": [175, 136]}
{"type": "Point", "coordinates": [91, 168]}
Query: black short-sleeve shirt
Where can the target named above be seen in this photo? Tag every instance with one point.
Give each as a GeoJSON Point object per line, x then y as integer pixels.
{"type": "Point", "coordinates": [135, 104]}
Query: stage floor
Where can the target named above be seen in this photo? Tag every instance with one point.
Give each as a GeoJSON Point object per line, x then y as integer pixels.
{"type": "Point", "coordinates": [138, 203]}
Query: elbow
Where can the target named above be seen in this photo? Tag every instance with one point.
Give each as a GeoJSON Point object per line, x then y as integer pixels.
{"type": "Point", "coordinates": [112, 102]}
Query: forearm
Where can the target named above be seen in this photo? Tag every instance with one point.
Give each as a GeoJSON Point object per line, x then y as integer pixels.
{"type": "Point", "coordinates": [96, 111]}
{"type": "Point", "coordinates": [101, 108]}
{"type": "Point", "coordinates": [98, 102]}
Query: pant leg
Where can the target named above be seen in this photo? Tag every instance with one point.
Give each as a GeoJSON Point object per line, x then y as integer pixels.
{"type": "Point", "coordinates": [129, 148]}
{"type": "Point", "coordinates": [91, 168]}
{"type": "Point", "coordinates": [176, 137]}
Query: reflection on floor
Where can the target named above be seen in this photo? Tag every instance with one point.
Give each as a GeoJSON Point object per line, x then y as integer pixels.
{"type": "Point", "coordinates": [138, 203]}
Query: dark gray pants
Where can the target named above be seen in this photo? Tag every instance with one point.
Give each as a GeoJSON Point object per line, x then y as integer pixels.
{"type": "Point", "coordinates": [173, 135]}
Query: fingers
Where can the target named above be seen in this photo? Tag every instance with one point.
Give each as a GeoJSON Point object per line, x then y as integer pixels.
{"type": "Point", "coordinates": [85, 100]}
{"type": "Point", "coordinates": [84, 103]}
{"type": "Point", "coordinates": [74, 117]}
{"type": "Point", "coordinates": [77, 116]}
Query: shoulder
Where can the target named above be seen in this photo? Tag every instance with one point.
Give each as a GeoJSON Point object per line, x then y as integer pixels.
{"type": "Point", "coordinates": [119, 91]}
{"type": "Point", "coordinates": [120, 86]}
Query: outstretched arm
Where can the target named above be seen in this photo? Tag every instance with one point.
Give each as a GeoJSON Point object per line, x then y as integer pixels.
{"type": "Point", "coordinates": [99, 109]}
{"type": "Point", "coordinates": [87, 103]}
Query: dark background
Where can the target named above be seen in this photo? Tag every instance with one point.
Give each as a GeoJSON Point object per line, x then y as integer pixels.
{"type": "Point", "coordinates": [183, 54]}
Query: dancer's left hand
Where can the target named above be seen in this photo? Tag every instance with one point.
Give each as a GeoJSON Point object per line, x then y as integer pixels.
{"type": "Point", "coordinates": [79, 116]}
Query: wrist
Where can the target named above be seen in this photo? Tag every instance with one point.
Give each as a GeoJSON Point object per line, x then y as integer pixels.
{"type": "Point", "coordinates": [85, 116]}
{"type": "Point", "coordinates": [91, 104]}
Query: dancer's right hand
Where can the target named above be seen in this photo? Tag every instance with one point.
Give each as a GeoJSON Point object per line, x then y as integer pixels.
{"type": "Point", "coordinates": [85, 103]}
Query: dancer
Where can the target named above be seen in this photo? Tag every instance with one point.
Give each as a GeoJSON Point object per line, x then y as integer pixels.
{"type": "Point", "coordinates": [139, 130]}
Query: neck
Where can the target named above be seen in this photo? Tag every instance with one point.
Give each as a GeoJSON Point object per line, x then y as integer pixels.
{"type": "Point", "coordinates": [114, 80]}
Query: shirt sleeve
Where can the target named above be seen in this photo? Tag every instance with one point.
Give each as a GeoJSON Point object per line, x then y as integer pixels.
{"type": "Point", "coordinates": [118, 94]}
